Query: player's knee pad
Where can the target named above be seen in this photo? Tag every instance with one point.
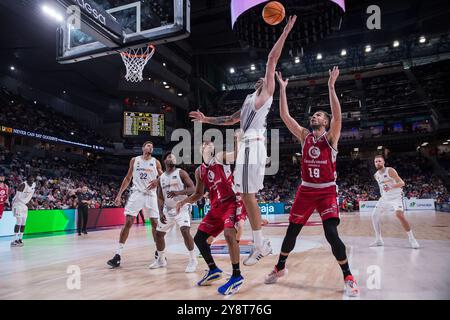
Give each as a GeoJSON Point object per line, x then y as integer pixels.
{"type": "Point", "coordinates": [16, 228]}
{"type": "Point", "coordinates": [22, 228]}
{"type": "Point", "coordinates": [291, 237]}
{"type": "Point", "coordinates": [332, 236]}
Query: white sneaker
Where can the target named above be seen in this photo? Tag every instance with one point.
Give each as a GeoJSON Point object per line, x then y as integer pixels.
{"type": "Point", "coordinates": [273, 276]}
{"type": "Point", "coordinates": [192, 266]}
{"type": "Point", "coordinates": [158, 263]}
{"type": "Point", "coordinates": [414, 244]}
{"type": "Point", "coordinates": [351, 288]}
{"type": "Point", "coordinates": [256, 254]}
{"type": "Point", "coordinates": [377, 243]}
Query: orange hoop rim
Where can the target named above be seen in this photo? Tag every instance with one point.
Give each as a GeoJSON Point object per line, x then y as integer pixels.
{"type": "Point", "coordinates": [139, 56]}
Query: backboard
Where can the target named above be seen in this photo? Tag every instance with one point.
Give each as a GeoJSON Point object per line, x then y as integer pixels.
{"type": "Point", "coordinates": [111, 26]}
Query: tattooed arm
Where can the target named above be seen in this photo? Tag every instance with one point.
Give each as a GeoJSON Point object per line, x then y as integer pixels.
{"type": "Point", "coordinates": [198, 116]}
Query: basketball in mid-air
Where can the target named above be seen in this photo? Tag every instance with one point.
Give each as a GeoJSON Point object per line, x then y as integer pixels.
{"type": "Point", "coordinates": [273, 13]}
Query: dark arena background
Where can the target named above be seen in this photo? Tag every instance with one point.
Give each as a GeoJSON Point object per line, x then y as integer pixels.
{"type": "Point", "coordinates": [85, 84]}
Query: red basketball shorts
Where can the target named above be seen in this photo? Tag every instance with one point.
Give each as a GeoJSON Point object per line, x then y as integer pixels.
{"type": "Point", "coordinates": [309, 199]}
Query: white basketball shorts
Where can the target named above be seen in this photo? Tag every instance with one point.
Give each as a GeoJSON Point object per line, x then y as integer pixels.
{"type": "Point", "coordinates": [183, 219]}
{"type": "Point", "coordinates": [250, 166]}
{"type": "Point", "coordinates": [20, 210]}
{"type": "Point", "coordinates": [142, 201]}
{"type": "Point", "coordinates": [385, 204]}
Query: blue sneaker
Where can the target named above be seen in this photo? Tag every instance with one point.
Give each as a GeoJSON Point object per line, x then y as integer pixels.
{"type": "Point", "coordinates": [232, 286]}
{"type": "Point", "coordinates": [210, 276]}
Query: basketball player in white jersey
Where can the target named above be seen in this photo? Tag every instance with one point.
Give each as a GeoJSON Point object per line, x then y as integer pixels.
{"type": "Point", "coordinates": [144, 171]}
{"type": "Point", "coordinates": [174, 185]}
{"type": "Point", "coordinates": [391, 192]}
{"type": "Point", "coordinates": [252, 154]}
{"type": "Point", "coordinates": [20, 206]}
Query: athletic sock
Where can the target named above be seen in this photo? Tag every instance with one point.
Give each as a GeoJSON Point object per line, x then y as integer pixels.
{"type": "Point", "coordinates": [236, 270]}
{"type": "Point", "coordinates": [410, 235]}
{"type": "Point", "coordinates": [161, 255]}
{"type": "Point", "coordinates": [281, 262]}
{"type": "Point", "coordinates": [119, 249]}
{"type": "Point", "coordinates": [20, 236]}
{"type": "Point", "coordinates": [258, 238]}
{"type": "Point", "coordinates": [212, 266]}
{"type": "Point", "coordinates": [192, 255]}
{"type": "Point", "coordinates": [345, 269]}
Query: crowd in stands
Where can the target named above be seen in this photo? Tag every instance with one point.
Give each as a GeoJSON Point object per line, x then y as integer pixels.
{"type": "Point", "coordinates": [20, 113]}
{"type": "Point", "coordinates": [56, 180]}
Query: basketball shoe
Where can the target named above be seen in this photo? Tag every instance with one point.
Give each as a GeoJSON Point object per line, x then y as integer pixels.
{"type": "Point", "coordinates": [232, 286]}
{"type": "Point", "coordinates": [273, 276]}
{"type": "Point", "coordinates": [257, 254]}
{"type": "Point", "coordinates": [351, 288]}
{"type": "Point", "coordinates": [114, 262]}
{"type": "Point", "coordinates": [210, 276]}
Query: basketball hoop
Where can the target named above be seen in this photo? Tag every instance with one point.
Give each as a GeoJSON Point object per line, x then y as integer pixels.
{"type": "Point", "coordinates": [135, 61]}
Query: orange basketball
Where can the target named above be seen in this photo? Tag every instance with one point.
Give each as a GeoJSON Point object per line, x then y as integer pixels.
{"type": "Point", "coordinates": [273, 13]}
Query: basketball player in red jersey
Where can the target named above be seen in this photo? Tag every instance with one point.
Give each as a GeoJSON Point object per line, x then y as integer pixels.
{"type": "Point", "coordinates": [318, 188]}
{"type": "Point", "coordinates": [224, 215]}
{"type": "Point", "coordinates": [4, 195]}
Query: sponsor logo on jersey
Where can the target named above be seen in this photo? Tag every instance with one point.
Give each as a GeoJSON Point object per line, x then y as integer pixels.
{"type": "Point", "coordinates": [314, 152]}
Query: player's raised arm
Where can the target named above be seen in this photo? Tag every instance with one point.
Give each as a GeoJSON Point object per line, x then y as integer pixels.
{"type": "Point", "coordinates": [274, 56]}
{"type": "Point", "coordinates": [198, 116]}
{"type": "Point", "coordinates": [197, 195]}
{"type": "Point", "coordinates": [294, 127]}
{"type": "Point", "coordinates": [125, 183]}
{"type": "Point", "coordinates": [336, 116]}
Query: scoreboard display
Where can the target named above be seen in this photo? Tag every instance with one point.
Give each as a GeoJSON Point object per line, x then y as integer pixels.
{"type": "Point", "coordinates": [139, 124]}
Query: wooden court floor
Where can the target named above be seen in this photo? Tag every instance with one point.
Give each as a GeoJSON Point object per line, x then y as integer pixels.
{"type": "Point", "coordinates": [48, 267]}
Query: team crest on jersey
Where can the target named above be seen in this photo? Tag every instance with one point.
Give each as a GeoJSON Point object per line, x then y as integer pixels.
{"type": "Point", "coordinates": [210, 176]}
{"type": "Point", "coordinates": [2, 192]}
{"type": "Point", "coordinates": [314, 152]}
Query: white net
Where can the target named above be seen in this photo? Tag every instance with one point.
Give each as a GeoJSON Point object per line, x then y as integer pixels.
{"type": "Point", "coordinates": [135, 61]}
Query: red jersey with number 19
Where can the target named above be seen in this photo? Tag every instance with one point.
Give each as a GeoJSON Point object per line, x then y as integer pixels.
{"type": "Point", "coordinates": [318, 162]}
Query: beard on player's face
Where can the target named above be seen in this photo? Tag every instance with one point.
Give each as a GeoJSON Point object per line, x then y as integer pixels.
{"type": "Point", "coordinates": [169, 162]}
{"type": "Point", "coordinates": [379, 165]}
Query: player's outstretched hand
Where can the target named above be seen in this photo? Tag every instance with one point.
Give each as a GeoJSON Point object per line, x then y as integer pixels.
{"type": "Point", "coordinates": [172, 194]}
{"type": "Point", "coordinates": [334, 74]}
{"type": "Point", "coordinates": [290, 24]}
{"type": "Point", "coordinates": [197, 116]}
{"type": "Point", "coordinates": [153, 184]}
{"type": "Point", "coordinates": [283, 83]}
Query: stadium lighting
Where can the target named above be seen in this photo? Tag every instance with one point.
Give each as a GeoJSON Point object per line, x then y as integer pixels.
{"type": "Point", "coordinates": [164, 64]}
{"type": "Point", "coordinates": [180, 94]}
{"type": "Point", "coordinates": [64, 91]}
{"type": "Point", "coordinates": [343, 52]}
{"type": "Point", "coordinates": [167, 87]}
{"type": "Point", "coordinates": [232, 70]}
{"type": "Point", "coordinates": [72, 133]}
{"type": "Point", "coordinates": [12, 68]}
{"type": "Point", "coordinates": [297, 60]}
{"type": "Point", "coordinates": [368, 49]}
{"type": "Point", "coordinates": [319, 56]}
{"type": "Point", "coordinates": [424, 144]}
{"type": "Point", "coordinates": [52, 13]}
{"type": "Point", "coordinates": [446, 142]}
{"type": "Point", "coordinates": [35, 102]}
{"type": "Point", "coordinates": [380, 147]}
{"type": "Point", "coordinates": [356, 149]}
{"type": "Point", "coordinates": [224, 87]}
{"type": "Point", "coordinates": [164, 83]}
{"type": "Point", "coordinates": [396, 44]}
{"type": "Point", "coordinates": [252, 67]}
{"type": "Point", "coordinates": [422, 39]}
